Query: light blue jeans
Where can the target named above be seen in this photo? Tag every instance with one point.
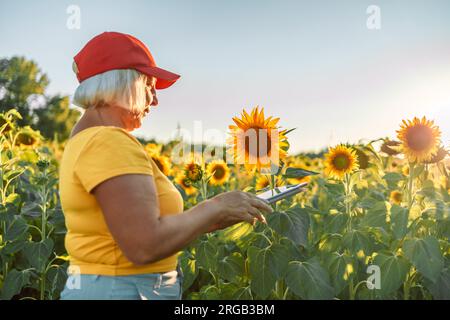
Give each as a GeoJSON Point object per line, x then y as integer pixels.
{"type": "Point", "coordinates": [150, 286]}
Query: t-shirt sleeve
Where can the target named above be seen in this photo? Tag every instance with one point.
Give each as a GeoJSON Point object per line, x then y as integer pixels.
{"type": "Point", "coordinates": [111, 152]}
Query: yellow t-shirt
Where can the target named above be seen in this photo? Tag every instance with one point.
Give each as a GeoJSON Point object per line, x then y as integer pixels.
{"type": "Point", "coordinates": [90, 157]}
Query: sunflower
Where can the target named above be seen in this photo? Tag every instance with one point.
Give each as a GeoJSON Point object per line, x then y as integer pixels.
{"type": "Point", "coordinates": [316, 163]}
{"type": "Point", "coordinates": [390, 147]}
{"type": "Point", "coordinates": [420, 139]}
{"type": "Point", "coordinates": [5, 123]}
{"type": "Point", "coordinates": [218, 171]}
{"type": "Point", "coordinates": [307, 165]}
{"type": "Point", "coordinates": [185, 183]}
{"type": "Point", "coordinates": [263, 182]}
{"type": "Point", "coordinates": [340, 161]}
{"type": "Point", "coordinates": [440, 155]}
{"type": "Point", "coordinates": [363, 158]}
{"type": "Point", "coordinates": [405, 170]}
{"type": "Point", "coordinates": [256, 142]}
{"type": "Point", "coordinates": [163, 163]}
{"type": "Point", "coordinates": [193, 171]}
{"type": "Point", "coordinates": [396, 197]}
{"type": "Point", "coordinates": [27, 137]}
{"type": "Point", "coordinates": [153, 148]}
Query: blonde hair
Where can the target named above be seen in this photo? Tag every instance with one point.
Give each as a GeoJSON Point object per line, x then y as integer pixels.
{"type": "Point", "coordinates": [125, 88]}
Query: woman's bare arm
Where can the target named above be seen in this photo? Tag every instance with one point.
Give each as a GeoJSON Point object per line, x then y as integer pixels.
{"type": "Point", "coordinates": [131, 210]}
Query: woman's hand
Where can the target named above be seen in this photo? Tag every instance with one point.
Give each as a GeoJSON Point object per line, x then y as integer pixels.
{"type": "Point", "coordinates": [237, 206]}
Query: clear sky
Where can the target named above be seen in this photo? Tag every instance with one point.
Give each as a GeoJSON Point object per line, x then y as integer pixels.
{"type": "Point", "coordinates": [314, 64]}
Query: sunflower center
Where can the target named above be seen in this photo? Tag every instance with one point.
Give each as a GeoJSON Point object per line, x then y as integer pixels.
{"type": "Point", "coordinates": [263, 142]}
{"type": "Point", "coordinates": [419, 138]}
{"type": "Point", "coordinates": [194, 172]}
{"type": "Point", "coordinates": [219, 172]}
{"type": "Point", "coordinates": [397, 196]}
{"type": "Point", "coordinates": [186, 183]}
{"type": "Point", "coordinates": [341, 162]}
{"type": "Point", "coordinates": [263, 183]}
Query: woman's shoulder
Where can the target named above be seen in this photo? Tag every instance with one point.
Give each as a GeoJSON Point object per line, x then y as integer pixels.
{"type": "Point", "coordinates": [102, 134]}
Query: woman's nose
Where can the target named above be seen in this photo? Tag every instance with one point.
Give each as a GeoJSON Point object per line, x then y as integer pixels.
{"type": "Point", "coordinates": [154, 101]}
{"type": "Point", "coordinates": [155, 98]}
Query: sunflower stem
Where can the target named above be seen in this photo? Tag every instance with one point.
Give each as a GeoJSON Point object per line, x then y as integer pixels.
{"type": "Point", "coordinates": [410, 197]}
{"type": "Point", "coordinates": [204, 189]}
{"type": "Point", "coordinates": [271, 179]}
{"type": "Point", "coordinates": [347, 190]}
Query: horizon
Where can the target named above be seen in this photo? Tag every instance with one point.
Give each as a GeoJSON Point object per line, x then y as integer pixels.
{"type": "Point", "coordinates": [316, 65]}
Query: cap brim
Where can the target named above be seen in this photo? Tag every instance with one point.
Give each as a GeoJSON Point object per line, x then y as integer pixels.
{"type": "Point", "coordinates": [164, 78]}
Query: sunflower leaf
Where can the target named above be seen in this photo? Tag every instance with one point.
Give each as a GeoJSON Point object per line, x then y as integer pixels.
{"type": "Point", "coordinates": [309, 280]}
{"type": "Point", "coordinates": [425, 255]}
{"type": "Point", "coordinates": [289, 131]}
{"type": "Point", "coordinates": [292, 173]}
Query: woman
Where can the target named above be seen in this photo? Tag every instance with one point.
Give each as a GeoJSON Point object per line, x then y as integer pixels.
{"type": "Point", "coordinates": [123, 216]}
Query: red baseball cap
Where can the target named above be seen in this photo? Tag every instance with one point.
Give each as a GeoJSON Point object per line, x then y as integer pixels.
{"type": "Point", "coordinates": [114, 50]}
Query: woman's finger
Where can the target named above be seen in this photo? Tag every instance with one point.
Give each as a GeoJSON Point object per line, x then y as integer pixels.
{"type": "Point", "coordinates": [260, 204]}
{"type": "Point", "coordinates": [255, 212]}
{"type": "Point", "coordinates": [249, 218]}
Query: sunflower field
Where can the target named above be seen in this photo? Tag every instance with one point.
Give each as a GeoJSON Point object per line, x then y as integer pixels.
{"type": "Point", "coordinates": [373, 222]}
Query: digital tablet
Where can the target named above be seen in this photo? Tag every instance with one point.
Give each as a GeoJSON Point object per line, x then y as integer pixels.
{"type": "Point", "coordinates": [279, 193]}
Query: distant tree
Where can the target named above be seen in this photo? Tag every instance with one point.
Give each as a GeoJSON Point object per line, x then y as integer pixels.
{"type": "Point", "coordinates": [56, 119]}
{"type": "Point", "coordinates": [22, 87]}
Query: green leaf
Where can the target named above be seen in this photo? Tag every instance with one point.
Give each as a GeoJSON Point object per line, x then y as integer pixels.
{"type": "Point", "coordinates": [13, 247]}
{"type": "Point", "coordinates": [243, 294]}
{"type": "Point", "coordinates": [425, 255]}
{"type": "Point", "coordinates": [16, 228]}
{"type": "Point", "coordinates": [399, 221]}
{"type": "Point", "coordinates": [56, 279]}
{"type": "Point", "coordinates": [227, 290]}
{"type": "Point", "coordinates": [392, 179]}
{"type": "Point", "coordinates": [189, 269]}
{"type": "Point", "coordinates": [356, 240]}
{"type": "Point", "coordinates": [210, 293]}
{"type": "Point", "coordinates": [31, 209]}
{"type": "Point", "coordinates": [337, 266]}
{"type": "Point", "coordinates": [330, 242]}
{"type": "Point", "coordinates": [13, 113]}
{"type": "Point", "coordinates": [440, 289]}
{"type": "Point", "coordinates": [289, 131]}
{"type": "Point", "coordinates": [11, 175]}
{"type": "Point", "coordinates": [309, 280]}
{"type": "Point", "coordinates": [293, 224]}
{"type": "Point", "coordinates": [258, 240]}
{"type": "Point", "coordinates": [13, 198]}
{"type": "Point", "coordinates": [236, 231]}
{"type": "Point", "coordinates": [393, 271]}
{"type": "Point", "coordinates": [38, 253]}
{"type": "Point", "coordinates": [428, 189]}
{"type": "Point", "coordinates": [417, 171]}
{"type": "Point", "coordinates": [335, 223]}
{"type": "Point", "coordinates": [206, 255]}
{"type": "Point", "coordinates": [261, 270]}
{"type": "Point", "coordinates": [278, 259]}
{"type": "Point", "coordinates": [230, 267]}
{"type": "Point", "coordinates": [14, 282]}
{"type": "Point", "coordinates": [292, 173]}
{"type": "Point", "coordinates": [376, 216]}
